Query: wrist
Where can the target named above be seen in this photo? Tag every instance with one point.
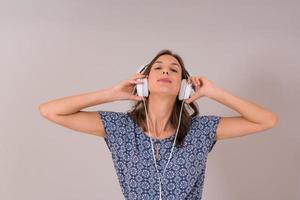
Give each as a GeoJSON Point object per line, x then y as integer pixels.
{"type": "Point", "coordinates": [215, 92]}
{"type": "Point", "coordinates": [107, 95]}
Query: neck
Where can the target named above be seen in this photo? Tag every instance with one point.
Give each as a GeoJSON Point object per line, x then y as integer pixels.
{"type": "Point", "coordinates": [159, 112]}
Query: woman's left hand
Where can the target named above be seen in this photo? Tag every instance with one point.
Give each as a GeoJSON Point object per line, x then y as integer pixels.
{"type": "Point", "coordinates": [202, 87]}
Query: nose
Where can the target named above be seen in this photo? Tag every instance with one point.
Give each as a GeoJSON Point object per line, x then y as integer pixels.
{"type": "Point", "coordinates": [165, 72]}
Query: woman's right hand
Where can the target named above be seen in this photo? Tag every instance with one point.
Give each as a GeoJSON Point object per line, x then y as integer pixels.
{"type": "Point", "coordinates": [124, 89]}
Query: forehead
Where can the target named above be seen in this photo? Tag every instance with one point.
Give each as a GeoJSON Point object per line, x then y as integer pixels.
{"type": "Point", "coordinates": [167, 59]}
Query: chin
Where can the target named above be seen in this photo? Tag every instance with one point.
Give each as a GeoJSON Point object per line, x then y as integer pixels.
{"type": "Point", "coordinates": [164, 92]}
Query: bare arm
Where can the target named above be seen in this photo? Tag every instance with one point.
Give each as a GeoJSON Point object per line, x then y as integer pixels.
{"type": "Point", "coordinates": [254, 118]}
{"type": "Point", "coordinates": [72, 104]}
{"type": "Point", "coordinates": [67, 112]}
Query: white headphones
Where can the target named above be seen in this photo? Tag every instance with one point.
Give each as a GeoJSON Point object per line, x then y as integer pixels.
{"type": "Point", "coordinates": [142, 89]}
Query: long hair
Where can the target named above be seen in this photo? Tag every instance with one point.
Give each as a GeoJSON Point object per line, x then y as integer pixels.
{"type": "Point", "coordinates": [137, 112]}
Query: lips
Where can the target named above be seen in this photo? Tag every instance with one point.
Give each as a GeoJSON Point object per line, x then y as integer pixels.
{"type": "Point", "coordinates": [165, 80]}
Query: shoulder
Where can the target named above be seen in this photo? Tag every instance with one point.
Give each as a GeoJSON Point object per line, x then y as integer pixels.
{"type": "Point", "coordinates": [206, 126]}
{"type": "Point", "coordinates": [113, 117]}
{"type": "Point", "coordinates": [112, 114]}
{"type": "Point", "coordinates": [204, 119]}
{"type": "Point", "coordinates": [205, 122]}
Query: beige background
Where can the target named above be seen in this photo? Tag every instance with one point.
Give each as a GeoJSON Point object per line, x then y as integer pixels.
{"type": "Point", "coordinates": [50, 49]}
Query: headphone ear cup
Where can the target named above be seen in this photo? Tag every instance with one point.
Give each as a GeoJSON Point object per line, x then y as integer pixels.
{"type": "Point", "coordinates": [185, 90]}
{"type": "Point", "coordinates": [142, 89]}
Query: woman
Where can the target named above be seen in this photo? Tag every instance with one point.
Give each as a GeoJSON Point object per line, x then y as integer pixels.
{"type": "Point", "coordinates": [142, 140]}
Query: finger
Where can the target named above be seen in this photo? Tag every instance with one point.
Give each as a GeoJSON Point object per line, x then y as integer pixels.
{"type": "Point", "coordinates": [199, 81]}
{"type": "Point", "coordinates": [189, 100]}
{"type": "Point", "coordinates": [139, 75]}
{"type": "Point", "coordinates": [138, 78]}
{"type": "Point", "coordinates": [190, 81]}
{"type": "Point", "coordinates": [193, 82]}
{"type": "Point", "coordinates": [136, 81]}
{"type": "Point", "coordinates": [194, 79]}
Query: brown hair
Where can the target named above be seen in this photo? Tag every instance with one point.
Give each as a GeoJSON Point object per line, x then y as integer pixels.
{"type": "Point", "coordinates": [137, 112]}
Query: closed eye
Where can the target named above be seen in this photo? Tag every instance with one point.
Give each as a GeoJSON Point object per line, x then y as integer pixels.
{"type": "Point", "coordinates": [174, 70]}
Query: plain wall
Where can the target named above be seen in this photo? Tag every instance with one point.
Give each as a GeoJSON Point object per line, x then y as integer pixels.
{"type": "Point", "coordinates": [51, 49]}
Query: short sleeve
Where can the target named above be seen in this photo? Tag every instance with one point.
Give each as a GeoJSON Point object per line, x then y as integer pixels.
{"type": "Point", "coordinates": [208, 125]}
{"type": "Point", "coordinates": [114, 125]}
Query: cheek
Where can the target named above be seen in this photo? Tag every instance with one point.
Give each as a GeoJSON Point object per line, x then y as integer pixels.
{"type": "Point", "coordinates": [152, 77]}
{"type": "Point", "coordinates": [151, 81]}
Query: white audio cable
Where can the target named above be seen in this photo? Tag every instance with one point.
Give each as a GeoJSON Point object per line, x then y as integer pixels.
{"type": "Point", "coordinates": [160, 182]}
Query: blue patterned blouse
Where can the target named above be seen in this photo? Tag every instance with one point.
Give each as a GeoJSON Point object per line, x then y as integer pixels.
{"type": "Point", "coordinates": [133, 159]}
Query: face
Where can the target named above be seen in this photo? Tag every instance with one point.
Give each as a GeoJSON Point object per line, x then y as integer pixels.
{"type": "Point", "coordinates": [166, 67]}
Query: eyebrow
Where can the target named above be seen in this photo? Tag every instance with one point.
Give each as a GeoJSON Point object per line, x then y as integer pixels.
{"type": "Point", "coordinates": [173, 63]}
